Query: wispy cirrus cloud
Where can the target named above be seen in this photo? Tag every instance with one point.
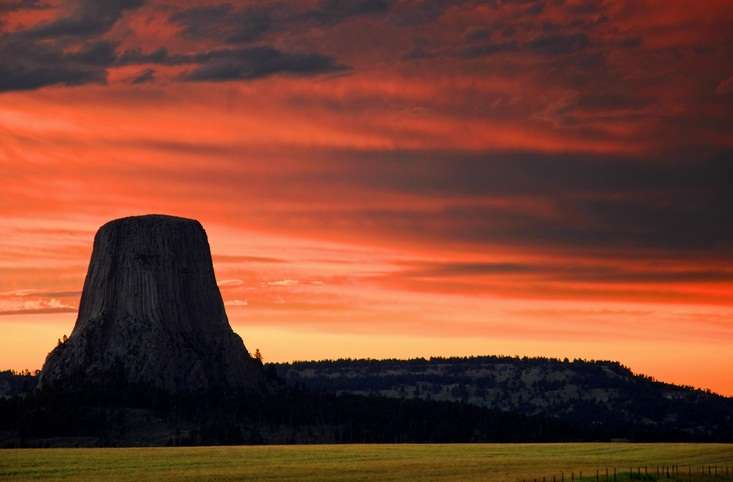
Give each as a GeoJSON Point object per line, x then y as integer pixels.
{"type": "Point", "coordinates": [230, 283]}
{"type": "Point", "coordinates": [39, 292]}
{"type": "Point", "coordinates": [52, 305]}
{"type": "Point", "coordinates": [229, 258]}
{"type": "Point", "coordinates": [283, 282]}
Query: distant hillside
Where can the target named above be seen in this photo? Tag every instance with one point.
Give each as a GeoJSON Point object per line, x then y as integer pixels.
{"type": "Point", "coordinates": [599, 393]}
{"type": "Point", "coordinates": [477, 399]}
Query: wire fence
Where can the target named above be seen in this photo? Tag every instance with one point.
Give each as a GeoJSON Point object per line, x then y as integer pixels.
{"type": "Point", "coordinates": [671, 472]}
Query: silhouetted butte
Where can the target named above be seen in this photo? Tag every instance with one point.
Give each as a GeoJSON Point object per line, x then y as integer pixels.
{"type": "Point", "coordinates": [151, 314]}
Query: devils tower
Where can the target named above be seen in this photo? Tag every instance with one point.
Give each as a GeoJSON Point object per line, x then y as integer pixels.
{"type": "Point", "coordinates": [151, 314]}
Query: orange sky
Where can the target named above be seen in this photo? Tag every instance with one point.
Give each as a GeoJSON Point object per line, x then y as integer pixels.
{"type": "Point", "coordinates": [390, 178]}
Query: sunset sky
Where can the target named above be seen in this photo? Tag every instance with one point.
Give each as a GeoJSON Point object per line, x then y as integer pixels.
{"type": "Point", "coordinates": [387, 178]}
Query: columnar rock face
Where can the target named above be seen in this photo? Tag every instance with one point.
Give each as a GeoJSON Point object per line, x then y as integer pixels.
{"type": "Point", "coordinates": [151, 314]}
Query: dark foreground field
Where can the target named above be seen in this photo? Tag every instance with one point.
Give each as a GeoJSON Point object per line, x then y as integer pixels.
{"type": "Point", "coordinates": [459, 462]}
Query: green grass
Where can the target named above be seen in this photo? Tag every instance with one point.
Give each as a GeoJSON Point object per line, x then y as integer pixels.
{"type": "Point", "coordinates": [459, 462]}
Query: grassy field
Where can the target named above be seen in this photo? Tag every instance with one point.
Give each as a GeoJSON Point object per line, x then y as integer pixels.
{"type": "Point", "coordinates": [460, 462]}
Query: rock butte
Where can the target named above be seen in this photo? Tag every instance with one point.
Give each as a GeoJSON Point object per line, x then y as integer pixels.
{"type": "Point", "coordinates": [151, 314]}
